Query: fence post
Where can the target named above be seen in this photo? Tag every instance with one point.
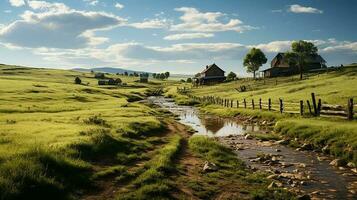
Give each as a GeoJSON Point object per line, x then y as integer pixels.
{"type": "Point", "coordinates": [231, 103]}
{"type": "Point", "coordinates": [253, 104]}
{"type": "Point", "coordinates": [350, 109]}
{"type": "Point", "coordinates": [260, 103]}
{"type": "Point", "coordinates": [301, 107]}
{"type": "Point", "coordinates": [281, 105]}
{"type": "Point", "coordinates": [237, 104]}
{"type": "Point", "coordinates": [318, 107]}
{"type": "Point", "coordinates": [245, 103]}
{"type": "Point", "coordinates": [308, 104]}
{"type": "Point", "coordinates": [269, 104]}
{"type": "Point", "coordinates": [314, 103]}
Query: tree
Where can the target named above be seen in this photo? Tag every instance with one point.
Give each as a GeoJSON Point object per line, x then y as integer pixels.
{"type": "Point", "coordinates": [162, 76]}
{"type": "Point", "coordinates": [254, 60]}
{"type": "Point", "coordinates": [126, 73]}
{"type": "Point", "coordinates": [77, 80]}
{"type": "Point", "coordinates": [167, 75]}
{"type": "Point", "coordinates": [301, 51]}
{"type": "Point", "coordinates": [231, 76]}
{"type": "Point", "coordinates": [189, 80]}
{"type": "Point", "coordinates": [154, 75]}
{"type": "Point", "coordinates": [118, 81]}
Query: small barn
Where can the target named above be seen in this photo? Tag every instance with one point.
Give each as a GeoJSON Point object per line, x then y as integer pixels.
{"type": "Point", "coordinates": [109, 82]}
{"type": "Point", "coordinates": [280, 66]}
{"type": "Point", "coordinates": [212, 74]}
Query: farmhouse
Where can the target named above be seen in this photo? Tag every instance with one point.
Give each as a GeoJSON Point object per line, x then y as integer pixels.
{"type": "Point", "coordinates": [280, 66]}
{"type": "Point", "coordinates": [212, 74]}
{"type": "Point", "coordinates": [109, 82]}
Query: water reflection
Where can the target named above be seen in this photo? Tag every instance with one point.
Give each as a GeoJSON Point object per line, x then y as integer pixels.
{"type": "Point", "coordinates": [205, 125]}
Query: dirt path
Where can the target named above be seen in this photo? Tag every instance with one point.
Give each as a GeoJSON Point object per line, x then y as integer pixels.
{"type": "Point", "coordinates": [108, 187]}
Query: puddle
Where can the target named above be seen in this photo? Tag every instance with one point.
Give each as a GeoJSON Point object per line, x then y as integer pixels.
{"type": "Point", "coordinates": [316, 177]}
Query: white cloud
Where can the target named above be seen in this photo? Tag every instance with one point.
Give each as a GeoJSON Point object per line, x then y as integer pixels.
{"type": "Point", "coordinates": [17, 3]}
{"type": "Point", "coordinates": [188, 36]}
{"type": "Point", "coordinates": [92, 2]}
{"type": "Point", "coordinates": [275, 46]}
{"type": "Point", "coordinates": [119, 6]}
{"type": "Point", "coordinates": [57, 27]}
{"type": "Point", "coordinates": [301, 9]}
{"type": "Point", "coordinates": [46, 6]}
{"type": "Point", "coordinates": [152, 24]}
{"type": "Point", "coordinates": [196, 21]}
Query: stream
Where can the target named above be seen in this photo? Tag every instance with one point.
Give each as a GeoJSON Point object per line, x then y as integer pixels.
{"type": "Point", "coordinates": [304, 172]}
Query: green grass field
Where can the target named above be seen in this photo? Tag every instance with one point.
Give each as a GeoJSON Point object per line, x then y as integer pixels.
{"type": "Point", "coordinates": [334, 87]}
{"type": "Point", "coordinates": [59, 140]}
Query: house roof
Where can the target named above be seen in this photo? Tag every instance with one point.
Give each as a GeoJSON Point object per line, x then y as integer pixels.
{"type": "Point", "coordinates": [208, 67]}
{"type": "Point", "coordinates": [314, 58]}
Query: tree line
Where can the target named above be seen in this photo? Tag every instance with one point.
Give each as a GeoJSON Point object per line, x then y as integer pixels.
{"type": "Point", "coordinates": [161, 76]}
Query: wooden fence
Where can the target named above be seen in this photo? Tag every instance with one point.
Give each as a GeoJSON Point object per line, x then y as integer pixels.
{"type": "Point", "coordinates": [313, 107]}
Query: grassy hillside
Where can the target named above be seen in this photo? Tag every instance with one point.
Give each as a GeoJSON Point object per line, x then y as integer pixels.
{"type": "Point", "coordinates": [46, 121]}
{"type": "Point", "coordinates": [59, 140]}
{"type": "Point", "coordinates": [332, 87]}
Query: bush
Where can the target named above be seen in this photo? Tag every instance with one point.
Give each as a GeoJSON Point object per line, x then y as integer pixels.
{"type": "Point", "coordinates": [77, 80]}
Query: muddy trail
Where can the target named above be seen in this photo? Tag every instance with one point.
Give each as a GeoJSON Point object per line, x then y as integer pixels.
{"type": "Point", "coordinates": [302, 171]}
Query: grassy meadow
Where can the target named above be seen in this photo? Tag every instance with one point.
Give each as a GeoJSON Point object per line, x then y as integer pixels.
{"type": "Point", "coordinates": [337, 135]}
{"type": "Point", "coordinates": [333, 87]}
{"type": "Point", "coordinates": [59, 140]}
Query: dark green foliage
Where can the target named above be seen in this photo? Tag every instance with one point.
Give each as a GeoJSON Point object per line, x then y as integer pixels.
{"type": "Point", "coordinates": [77, 80]}
{"type": "Point", "coordinates": [231, 76]}
{"type": "Point", "coordinates": [301, 51]}
{"type": "Point", "coordinates": [254, 59]}
{"type": "Point", "coordinates": [189, 80]}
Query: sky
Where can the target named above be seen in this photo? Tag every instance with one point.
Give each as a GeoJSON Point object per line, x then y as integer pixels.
{"type": "Point", "coordinates": [180, 36]}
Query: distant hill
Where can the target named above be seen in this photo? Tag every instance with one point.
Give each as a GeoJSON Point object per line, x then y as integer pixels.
{"type": "Point", "coordinates": [108, 70]}
{"type": "Point", "coordinates": [121, 71]}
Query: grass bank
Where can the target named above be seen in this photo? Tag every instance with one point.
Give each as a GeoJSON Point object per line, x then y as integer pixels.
{"type": "Point", "coordinates": [243, 183]}
{"type": "Point", "coordinates": [336, 138]}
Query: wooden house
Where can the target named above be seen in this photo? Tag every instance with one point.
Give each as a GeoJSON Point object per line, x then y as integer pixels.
{"type": "Point", "coordinates": [212, 74]}
{"type": "Point", "coordinates": [280, 66]}
{"type": "Point", "coordinates": [109, 81]}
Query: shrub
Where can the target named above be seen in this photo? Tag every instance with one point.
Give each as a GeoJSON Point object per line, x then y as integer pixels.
{"type": "Point", "coordinates": [77, 80]}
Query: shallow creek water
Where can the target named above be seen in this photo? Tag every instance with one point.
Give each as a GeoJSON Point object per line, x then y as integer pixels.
{"type": "Point", "coordinates": [311, 171]}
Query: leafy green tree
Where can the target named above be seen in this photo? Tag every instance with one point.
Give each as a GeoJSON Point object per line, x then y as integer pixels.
{"type": "Point", "coordinates": [301, 51]}
{"type": "Point", "coordinates": [162, 76]}
{"type": "Point", "coordinates": [126, 73]}
{"type": "Point", "coordinates": [254, 60]}
{"type": "Point", "coordinates": [189, 80]}
{"type": "Point", "coordinates": [167, 75]}
{"type": "Point", "coordinates": [154, 75]}
{"type": "Point", "coordinates": [231, 76]}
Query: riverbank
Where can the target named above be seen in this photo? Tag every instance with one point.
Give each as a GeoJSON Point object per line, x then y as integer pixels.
{"type": "Point", "coordinates": [301, 171]}
{"type": "Point", "coordinates": [338, 137]}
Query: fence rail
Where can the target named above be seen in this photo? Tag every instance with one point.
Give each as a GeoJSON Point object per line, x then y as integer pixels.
{"type": "Point", "coordinates": [313, 107]}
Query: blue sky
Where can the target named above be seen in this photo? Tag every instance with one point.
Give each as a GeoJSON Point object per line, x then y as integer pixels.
{"type": "Point", "coordinates": [179, 36]}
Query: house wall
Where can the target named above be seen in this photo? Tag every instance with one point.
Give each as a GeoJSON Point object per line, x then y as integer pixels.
{"type": "Point", "coordinates": [214, 71]}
